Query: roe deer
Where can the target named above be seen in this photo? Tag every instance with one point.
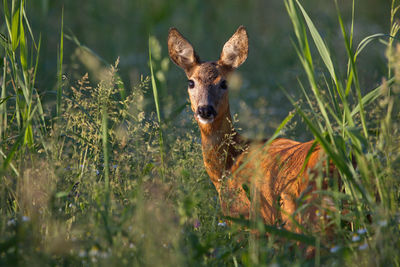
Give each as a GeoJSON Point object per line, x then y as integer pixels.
{"type": "Point", "coordinates": [275, 172]}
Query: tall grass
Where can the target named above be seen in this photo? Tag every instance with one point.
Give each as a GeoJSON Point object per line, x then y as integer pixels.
{"type": "Point", "coordinates": [102, 179]}
{"type": "Point", "coordinates": [157, 104]}
{"type": "Point", "coordinates": [349, 131]}
{"type": "Point", "coordinates": [21, 70]}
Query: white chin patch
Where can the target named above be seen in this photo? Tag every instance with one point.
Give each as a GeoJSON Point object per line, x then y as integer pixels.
{"type": "Point", "coordinates": [205, 121]}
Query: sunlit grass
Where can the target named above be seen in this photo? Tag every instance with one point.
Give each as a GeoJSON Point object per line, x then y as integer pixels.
{"type": "Point", "coordinates": [106, 178]}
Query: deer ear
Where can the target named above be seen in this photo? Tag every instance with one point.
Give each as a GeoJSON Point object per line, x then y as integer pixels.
{"type": "Point", "coordinates": [235, 49]}
{"type": "Point", "coordinates": [181, 51]}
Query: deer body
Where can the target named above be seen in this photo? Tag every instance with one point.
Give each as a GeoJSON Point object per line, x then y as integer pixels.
{"type": "Point", "coordinates": [273, 173]}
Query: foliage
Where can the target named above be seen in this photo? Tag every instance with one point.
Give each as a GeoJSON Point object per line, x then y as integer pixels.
{"type": "Point", "coordinates": [102, 177]}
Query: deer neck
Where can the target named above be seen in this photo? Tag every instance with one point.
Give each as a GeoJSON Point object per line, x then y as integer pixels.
{"type": "Point", "coordinates": [221, 145]}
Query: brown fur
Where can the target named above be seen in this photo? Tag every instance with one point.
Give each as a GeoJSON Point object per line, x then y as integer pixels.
{"type": "Point", "coordinates": [273, 173]}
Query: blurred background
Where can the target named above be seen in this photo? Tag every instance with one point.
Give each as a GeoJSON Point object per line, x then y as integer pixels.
{"type": "Point", "coordinates": [121, 29]}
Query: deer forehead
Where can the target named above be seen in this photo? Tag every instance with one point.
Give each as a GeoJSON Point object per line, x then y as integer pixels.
{"type": "Point", "coordinates": [207, 73]}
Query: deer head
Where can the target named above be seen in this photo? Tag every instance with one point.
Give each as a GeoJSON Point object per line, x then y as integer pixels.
{"type": "Point", "coordinates": [207, 81]}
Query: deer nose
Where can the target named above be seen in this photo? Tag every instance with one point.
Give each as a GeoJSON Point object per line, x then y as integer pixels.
{"type": "Point", "coordinates": [206, 112]}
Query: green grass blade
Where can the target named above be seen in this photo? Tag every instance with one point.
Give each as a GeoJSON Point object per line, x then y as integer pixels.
{"type": "Point", "coordinates": [3, 104]}
{"type": "Point", "coordinates": [60, 63]}
{"type": "Point", "coordinates": [29, 28]}
{"type": "Point", "coordinates": [371, 97]}
{"type": "Point", "coordinates": [104, 136]}
{"type": "Point", "coordinates": [23, 49]}
{"type": "Point", "coordinates": [11, 164]}
{"type": "Point", "coordinates": [39, 102]}
{"type": "Point", "coordinates": [305, 57]}
{"type": "Point", "coordinates": [14, 29]}
{"type": "Point", "coordinates": [13, 150]}
{"type": "Point", "coordinates": [156, 101]}
{"type": "Point", "coordinates": [7, 18]}
{"type": "Point", "coordinates": [354, 71]}
{"type": "Point", "coordinates": [319, 43]}
{"type": "Point", "coordinates": [4, 42]}
{"type": "Point", "coordinates": [364, 42]}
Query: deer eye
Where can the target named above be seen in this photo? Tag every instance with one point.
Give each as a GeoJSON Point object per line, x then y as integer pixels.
{"type": "Point", "coordinates": [224, 85]}
{"type": "Point", "coordinates": [191, 84]}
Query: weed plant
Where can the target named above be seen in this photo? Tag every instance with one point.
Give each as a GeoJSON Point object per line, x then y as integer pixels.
{"type": "Point", "coordinates": [102, 180]}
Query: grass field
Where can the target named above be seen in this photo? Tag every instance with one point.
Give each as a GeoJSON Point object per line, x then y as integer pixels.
{"type": "Point", "coordinates": [100, 159]}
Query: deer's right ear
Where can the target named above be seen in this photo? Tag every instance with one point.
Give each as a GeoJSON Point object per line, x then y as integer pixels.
{"type": "Point", "coordinates": [181, 51]}
{"type": "Point", "coordinates": [236, 49]}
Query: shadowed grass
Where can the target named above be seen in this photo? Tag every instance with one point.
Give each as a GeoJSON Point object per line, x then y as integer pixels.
{"type": "Point", "coordinates": [117, 182]}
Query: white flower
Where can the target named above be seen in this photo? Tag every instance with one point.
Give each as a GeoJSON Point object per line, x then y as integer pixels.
{"type": "Point", "coordinates": [11, 222]}
{"type": "Point", "coordinates": [363, 246]}
{"type": "Point", "coordinates": [222, 224]}
{"type": "Point", "coordinates": [361, 231]}
{"type": "Point", "coordinates": [94, 252]}
{"type": "Point", "coordinates": [82, 253]}
{"type": "Point", "coordinates": [334, 249]}
{"type": "Point", "coordinates": [355, 238]}
{"type": "Point", "coordinates": [25, 219]}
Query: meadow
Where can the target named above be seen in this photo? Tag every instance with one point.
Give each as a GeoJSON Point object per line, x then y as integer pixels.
{"type": "Point", "coordinates": [100, 157]}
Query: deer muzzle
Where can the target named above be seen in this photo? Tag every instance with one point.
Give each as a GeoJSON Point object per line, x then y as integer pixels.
{"type": "Point", "coordinates": [206, 114]}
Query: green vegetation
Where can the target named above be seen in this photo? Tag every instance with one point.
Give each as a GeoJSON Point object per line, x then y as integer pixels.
{"type": "Point", "coordinates": [106, 168]}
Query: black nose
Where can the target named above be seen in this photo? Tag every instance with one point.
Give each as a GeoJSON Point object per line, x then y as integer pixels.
{"type": "Point", "coordinates": [206, 112]}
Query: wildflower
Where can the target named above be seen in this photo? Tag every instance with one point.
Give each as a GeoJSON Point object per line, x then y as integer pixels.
{"type": "Point", "coordinates": [11, 222]}
{"type": "Point", "coordinates": [25, 219]}
{"type": "Point", "coordinates": [94, 252]}
{"type": "Point", "coordinates": [221, 223]}
{"type": "Point", "coordinates": [318, 213]}
{"type": "Point", "coordinates": [115, 166]}
{"type": "Point", "coordinates": [82, 253]}
{"type": "Point", "coordinates": [197, 224]}
{"type": "Point", "coordinates": [97, 172]}
{"type": "Point", "coordinates": [361, 231]}
{"type": "Point", "coordinates": [355, 238]}
{"type": "Point", "coordinates": [335, 249]}
{"type": "Point", "coordinates": [363, 246]}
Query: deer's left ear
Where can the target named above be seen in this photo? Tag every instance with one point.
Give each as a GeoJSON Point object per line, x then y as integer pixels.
{"type": "Point", "coordinates": [181, 51]}
{"type": "Point", "coordinates": [236, 49]}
